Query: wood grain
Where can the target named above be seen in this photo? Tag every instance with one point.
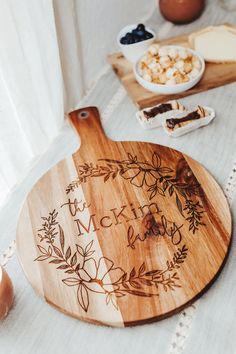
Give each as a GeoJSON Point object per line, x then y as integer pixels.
{"type": "Point", "coordinates": [215, 75]}
{"type": "Point", "coordinates": [122, 233]}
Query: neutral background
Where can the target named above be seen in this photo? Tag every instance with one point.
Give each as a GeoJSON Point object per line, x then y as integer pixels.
{"type": "Point", "coordinates": [51, 53]}
{"type": "Point", "coordinates": [33, 326]}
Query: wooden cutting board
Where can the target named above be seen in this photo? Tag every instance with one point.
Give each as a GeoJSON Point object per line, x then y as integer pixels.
{"type": "Point", "coordinates": [122, 233]}
{"type": "Point", "coordinates": [215, 75]}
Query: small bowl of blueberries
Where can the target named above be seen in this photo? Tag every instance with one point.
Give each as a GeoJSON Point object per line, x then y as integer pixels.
{"type": "Point", "coordinates": [134, 40]}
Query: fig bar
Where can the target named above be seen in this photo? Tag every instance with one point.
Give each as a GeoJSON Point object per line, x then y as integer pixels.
{"type": "Point", "coordinates": [152, 117]}
{"type": "Point", "coordinates": [184, 123]}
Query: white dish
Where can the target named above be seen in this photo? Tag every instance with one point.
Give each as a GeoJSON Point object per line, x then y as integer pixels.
{"type": "Point", "coordinates": [134, 51]}
{"type": "Point", "coordinates": [192, 125]}
{"type": "Point", "coordinates": [170, 89]}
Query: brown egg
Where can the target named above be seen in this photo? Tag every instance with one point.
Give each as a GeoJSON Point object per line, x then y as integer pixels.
{"type": "Point", "coordinates": [6, 293]}
{"type": "Point", "coordinates": [181, 11]}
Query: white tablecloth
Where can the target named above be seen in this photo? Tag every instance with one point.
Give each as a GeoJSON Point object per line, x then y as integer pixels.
{"type": "Point", "coordinates": [209, 326]}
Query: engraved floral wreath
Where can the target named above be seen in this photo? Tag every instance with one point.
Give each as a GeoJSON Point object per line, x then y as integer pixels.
{"type": "Point", "coordinates": [102, 276]}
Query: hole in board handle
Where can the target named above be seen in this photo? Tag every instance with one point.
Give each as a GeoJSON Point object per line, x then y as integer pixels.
{"type": "Point", "coordinates": [83, 115]}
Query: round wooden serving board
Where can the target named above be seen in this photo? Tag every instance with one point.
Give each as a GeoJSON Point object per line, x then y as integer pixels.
{"type": "Point", "coordinates": [122, 233]}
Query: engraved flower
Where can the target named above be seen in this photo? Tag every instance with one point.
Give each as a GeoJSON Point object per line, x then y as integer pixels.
{"type": "Point", "coordinates": [102, 277]}
{"type": "Point", "coordinates": [139, 176]}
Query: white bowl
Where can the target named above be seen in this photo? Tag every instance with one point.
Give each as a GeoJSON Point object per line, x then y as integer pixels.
{"type": "Point", "coordinates": [133, 52]}
{"type": "Point", "coordinates": [170, 89]}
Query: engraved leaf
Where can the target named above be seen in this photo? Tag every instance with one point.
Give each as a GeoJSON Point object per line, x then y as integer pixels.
{"type": "Point", "coordinates": [106, 178]}
{"type": "Point", "coordinates": [175, 276]}
{"type": "Point", "coordinates": [114, 174]}
{"type": "Point", "coordinates": [62, 238]}
{"type": "Point", "coordinates": [132, 273]}
{"type": "Point", "coordinates": [157, 276]}
{"type": "Point", "coordinates": [142, 268]}
{"type": "Point", "coordinates": [73, 260]}
{"type": "Point", "coordinates": [57, 251]}
{"type": "Point", "coordinates": [88, 247]}
{"type": "Point", "coordinates": [71, 281]}
{"type": "Point", "coordinates": [68, 253]}
{"type": "Point", "coordinates": [64, 266]}
{"type": "Point", "coordinates": [160, 191]}
{"type": "Point", "coordinates": [90, 253]}
{"type": "Point", "coordinates": [182, 192]}
{"type": "Point", "coordinates": [190, 227]}
{"type": "Point", "coordinates": [80, 250]}
{"type": "Point", "coordinates": [152, 272]}
{"type": "Point", "coordinates": [56, 261]}
{"type": "Point", "coordinates": [171, 190]}
{"type": "Point", "coordinates": [124, 276]}
{"type": "Point", "coordinates": [165, 185]}
{"type": "Point", "coordinates": [179, 205]}
{"type": "Point", "coordinates": [42, 249]}
{"type": "Point", "coordinates": [132, 158]}
{"type": "Point", "coordinates": [156, 160]}
{"type": "Point", "coordinates": [153, 194]}
{"type": "Point", "coordinates": [135, 284]}
{"type": "Point", "coordinates": [41, 258]}
{"type": "Point", "coordinates": [146, 281]}
{"type": "Point", "coordinates": [83, 297]}
{"type": "Point", "coordinates": [184, 249]}
{"type": "Point", "coordinates": [130, 237]}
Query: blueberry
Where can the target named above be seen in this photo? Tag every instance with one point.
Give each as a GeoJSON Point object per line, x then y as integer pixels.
{"type": "Point", "coordinates": [148, 35]}
{"type": "Point", "coordinates": [143, 38]}
{"type": "Point", "coordinates": [136, 38]}
{"type": "Point", "coordinates": [141, 27]}
{"type": "Point", "coordinates": [129, 35]}
{"type": "Point", "coordinates": [123, 40]}
{"type": "Point", "coordinates": [130, 41]}
{"type": "Point", "coordinates": [140, 33]}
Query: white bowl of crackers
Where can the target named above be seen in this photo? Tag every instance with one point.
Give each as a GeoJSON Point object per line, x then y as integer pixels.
{"type": "Point", "coordinates": [169, 69]}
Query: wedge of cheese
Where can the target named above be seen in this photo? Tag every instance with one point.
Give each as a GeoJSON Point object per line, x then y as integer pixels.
{"type": "Point", "coordinates": [217, 44]}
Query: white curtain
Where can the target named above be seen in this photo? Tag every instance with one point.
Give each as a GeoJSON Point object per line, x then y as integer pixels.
{"type": "Point", "coordinates": [50, 54]}
{"type": "Point", "coordinates": [32, 95]}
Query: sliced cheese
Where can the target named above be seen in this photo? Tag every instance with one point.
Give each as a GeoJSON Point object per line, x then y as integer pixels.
{"type": "Point", "coordinates": [216, 44]}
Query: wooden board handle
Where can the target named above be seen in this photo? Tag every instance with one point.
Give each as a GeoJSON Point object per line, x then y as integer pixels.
{"type": "Point", "coordinates": [87, 123]}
